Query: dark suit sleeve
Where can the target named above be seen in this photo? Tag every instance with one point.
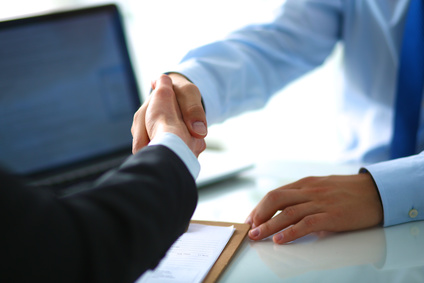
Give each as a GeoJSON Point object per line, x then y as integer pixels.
{"type": "Point", "coordinates": [110, 233]}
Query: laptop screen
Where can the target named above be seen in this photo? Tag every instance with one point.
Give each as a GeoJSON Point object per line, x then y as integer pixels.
{"type": "Point", "coordinates": [67, 90]}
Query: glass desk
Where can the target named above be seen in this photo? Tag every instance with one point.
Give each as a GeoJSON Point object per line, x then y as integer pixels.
{"type": "Point", "coordinates": [393, 254]}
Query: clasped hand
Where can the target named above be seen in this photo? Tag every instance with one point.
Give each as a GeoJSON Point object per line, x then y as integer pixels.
{"type": "Point", "coordinates": [161, 113]}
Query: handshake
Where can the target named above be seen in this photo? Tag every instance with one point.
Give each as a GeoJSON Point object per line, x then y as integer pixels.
{"type": "Point", "coordinates": [161, 113]}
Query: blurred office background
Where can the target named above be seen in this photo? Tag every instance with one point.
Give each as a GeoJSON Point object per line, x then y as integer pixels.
{"type": "Point", "coordinates": [297, 124]}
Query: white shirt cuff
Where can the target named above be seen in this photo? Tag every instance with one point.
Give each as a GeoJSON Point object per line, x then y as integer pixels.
{"type": "Point", "coordinates": [176, 144]}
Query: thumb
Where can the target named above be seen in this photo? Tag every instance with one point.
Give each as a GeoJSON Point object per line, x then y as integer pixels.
{"type": "Point", "coordinates": [190, 104]}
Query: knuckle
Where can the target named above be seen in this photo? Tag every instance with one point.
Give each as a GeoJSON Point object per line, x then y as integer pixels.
{"type": "Point", "coordinates": [164, 92]}
{"type": "Point", "coordinates": [260, 218]}
{"type": "Point", "coordinates": [188, 88]}
{"type": "Point", "coordinates": [311, 222]}
{"type": "Point", "coordinates": [135, 147]}
{"type": "Point", "coordinates": [203, 146]}
{"type": "Point", "coordinates": [194, 110]}
{"type": "Point", "coordinates": [200, 146]}
{"type": "Point", "coordinates": [315, 190]}
{"type": "Point", "coordinates": [257, 219]}
{"type": "Point", "coordinates": [290, 212]}
{"type": "Point", "coordinates": [309, 180]}
{"type": "Point", "coordinates": [164, 78]}
{"type": "Point", "coordinates": [188, 94]}
{"type": "Point", "coordinates": [136, 114]}
{"type": "Point", "coordinates": [323, 191]}
{"type": "Point", "coordinates": [266, 229]}
{"type": "Point", "coordinates": [271, 196]}
{"type": "Point", "coordinates": [291, 232]}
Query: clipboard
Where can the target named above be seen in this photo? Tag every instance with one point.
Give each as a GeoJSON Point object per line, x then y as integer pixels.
{"type": "Point", "coordinates": [230, 249]}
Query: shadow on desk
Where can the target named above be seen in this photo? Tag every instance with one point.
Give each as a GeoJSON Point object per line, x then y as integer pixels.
{"type": "Point", "coordinates": [376, 251]}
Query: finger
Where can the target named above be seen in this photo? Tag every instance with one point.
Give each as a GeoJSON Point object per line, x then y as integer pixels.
{"type": "Point", "coordinates": [282, 220]}
{"type": "Point", "coordinates": [309, 224]}
{"type": "Point", "coordinates": [250, 221]}
{"type": "Point", "coordinates": [138, 129]}
{"type": "Point", "coordinates": [163, 98]}
{"type": "Point", "coordinates": [163, 83]}
{"type": "Point", "coordinates": [194, 115]}
{"type": "Point", "coordinates": [280, 198]}
{"type": "Point", "coordinates": [190, 103]}
{"type": "Point", "coordinates": [163, 113]}
{"type": "Point", "coordinates": [198, 147]}
{"type": "Point", "coordinates": [153, 84]}
{"type": "Point", "coordinates": [274, 201]}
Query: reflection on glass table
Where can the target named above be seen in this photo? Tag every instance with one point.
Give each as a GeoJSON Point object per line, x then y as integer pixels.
{"type": "Point", "coordinates": [392, 254]}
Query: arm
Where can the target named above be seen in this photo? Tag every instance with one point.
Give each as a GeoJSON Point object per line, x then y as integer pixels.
{"type": "Point", "coordinates": [242, 71]}
{"type": "Point", "coordinates": [111, 233]}
{"type": "Point", "coordinates": [343, 203]}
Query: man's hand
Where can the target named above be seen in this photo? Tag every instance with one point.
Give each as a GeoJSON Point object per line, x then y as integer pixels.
{"type": "Point", "coordinates": [189, 103]}
{"type": "Point", "coordinates": [161, 113]}
{"type": "Point", "coordinates": [313, 204]}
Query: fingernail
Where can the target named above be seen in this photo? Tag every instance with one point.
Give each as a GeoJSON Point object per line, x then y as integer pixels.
{"type": "Point", "coordinates": [200, 128]}
{"type": "Point", "coordinates": [278, 238]}
{"type": "Point", "coordinates": [255, 232]}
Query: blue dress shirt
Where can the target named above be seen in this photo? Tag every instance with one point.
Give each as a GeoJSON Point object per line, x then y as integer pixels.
{"type": "Point", "coordinates": [245, 69]}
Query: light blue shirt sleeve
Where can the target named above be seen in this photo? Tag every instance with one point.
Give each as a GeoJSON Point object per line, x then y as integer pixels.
{"type": "Point", "coordinates": [243, 71]}
{"type": "Point", "coordinates": [401, 186]}
{"type": "Point", "coordinates": [176, 144]}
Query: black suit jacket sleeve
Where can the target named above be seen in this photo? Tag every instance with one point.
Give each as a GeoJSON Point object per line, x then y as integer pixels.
{"type": "Point", "coordinates": [110, 233]}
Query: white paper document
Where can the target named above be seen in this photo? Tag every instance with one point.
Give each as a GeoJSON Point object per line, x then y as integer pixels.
{"type": "Point", "coordinates": [192, 255]}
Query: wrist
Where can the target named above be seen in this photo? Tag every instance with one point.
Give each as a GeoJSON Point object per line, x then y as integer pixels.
{"type": "Point", "coordinates": [180, 148]}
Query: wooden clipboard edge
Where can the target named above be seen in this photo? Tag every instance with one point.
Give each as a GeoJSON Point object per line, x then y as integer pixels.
{"type": "Point", "coordinates": [229, 250]}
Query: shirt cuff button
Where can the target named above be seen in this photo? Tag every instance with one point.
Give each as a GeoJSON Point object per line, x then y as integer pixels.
{"type": "Point", "coordinates": [413, 213]}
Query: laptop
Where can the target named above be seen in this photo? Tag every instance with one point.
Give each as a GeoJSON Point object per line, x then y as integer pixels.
{"type": "Point", "coordinates": [68, 94]}
{"type": "Point", "coordinates": [221, 165]}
